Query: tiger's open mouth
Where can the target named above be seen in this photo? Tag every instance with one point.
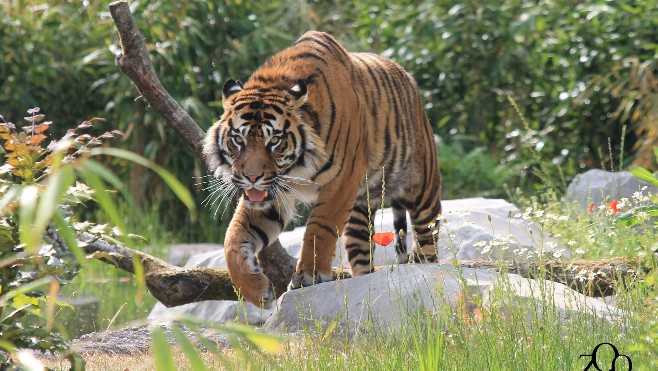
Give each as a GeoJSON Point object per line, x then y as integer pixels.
{"type": "Point", "coordinates": [256, 195]}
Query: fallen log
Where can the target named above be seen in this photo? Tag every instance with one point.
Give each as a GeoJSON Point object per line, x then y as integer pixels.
{"type": "Point", "coordinates": [173, 286]}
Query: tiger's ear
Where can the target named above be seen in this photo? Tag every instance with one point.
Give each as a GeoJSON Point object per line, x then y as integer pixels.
{"type": "Point", "coordinates": [231, 87]}
{"type": "Point", "coordinates": [298, 91]}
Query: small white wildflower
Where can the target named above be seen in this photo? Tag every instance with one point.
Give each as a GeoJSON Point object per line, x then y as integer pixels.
{"type": "Point", "coordinates": [486, 250]}
{"type": "Point", "coordinates": [643, 188]}
{"type": "Point", "coordinates": [551, 244]}
{"type": "Point", "coordinates": [611, 234]}
{"type": "Point", "coordinates": [431, 226]}
{"type": "Point", "coordinates": [480, 244]}
{"type": "Point", "coordinates": [518, 215]}
{"type": "Point", "coordinates": [571, 243]}
{"type": "Point", "coordinates": [622, 203]}
{"type": "Point", "coordinates": [581, 275]}
{"type": "Point", "coordinates": [580, 251]}
{"type": "Point", "coordinates": [558, 235]}
{"type": "Point", "coordinates": [558, 253]}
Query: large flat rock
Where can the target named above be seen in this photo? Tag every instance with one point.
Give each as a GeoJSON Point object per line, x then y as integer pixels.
{"type": "Point", "coordinates": [385, 299]}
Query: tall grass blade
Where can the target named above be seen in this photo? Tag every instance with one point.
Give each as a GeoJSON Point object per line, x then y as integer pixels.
{"type": "Point", "coordinates": [51, 197]}
{"type": "Point", "coordinates": [68, 234]}
{"type": "Point", "coordinates": [191, 353]}
{"type": "Point", "coordinates": [164, 359]}
{"type": "Point", "coordinates": [644, 174]}
{"type": "Point", "coordinates": [176, 186]}
{"type": "Point", "coordinates": [28, 206]}
{"type": "Point", "coordinates": [91, 177]}
{"type": "Point", "coordinates": [269, 343]}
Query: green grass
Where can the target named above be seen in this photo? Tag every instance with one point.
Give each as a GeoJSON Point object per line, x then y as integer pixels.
{"type": "Point", "coordinates": [447, 338]}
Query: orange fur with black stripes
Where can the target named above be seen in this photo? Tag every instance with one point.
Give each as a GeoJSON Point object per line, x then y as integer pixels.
{"type": "Point", "coordinates": [313, 123]}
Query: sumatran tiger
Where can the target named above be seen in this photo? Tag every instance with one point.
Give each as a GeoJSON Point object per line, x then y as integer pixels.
{"type": "Point", "coordinates": [320, 124]}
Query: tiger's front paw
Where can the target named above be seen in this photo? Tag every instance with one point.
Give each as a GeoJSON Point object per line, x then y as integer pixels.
{"type": "Point", "coordinates": [303, 279]}
{"type": "Point", "coordinates": [256, 289]}
{"type": "Point", "coordinates": [247, 276]}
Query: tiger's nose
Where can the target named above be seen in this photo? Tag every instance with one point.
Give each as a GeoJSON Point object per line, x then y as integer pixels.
{"type": "Point", "coordinates": [253, 177]}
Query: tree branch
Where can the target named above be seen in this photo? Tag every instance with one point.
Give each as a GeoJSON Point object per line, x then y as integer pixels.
{"type": "Point", "coordinates": [173, 285]}
{"type": "Point", "coordinates": [135, 62]}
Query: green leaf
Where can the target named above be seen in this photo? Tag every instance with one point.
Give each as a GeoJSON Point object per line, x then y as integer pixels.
{"type": "Point", "coordinates": [69, 236]}
{"type": "Point", "coordinates": [176, 186]}
{"type": "Point", "coordinates": [631, 217]}
{"type": "Point", "coordinates": [28, 206]}
{"type": "Point", "coordinates": [644, 174]}
{"type": "Point", "coordinates": [269, 343]}
{"type": "Point", "coordinates": [164, 359]}
{"type": "Point", "coordinates": [105, 173]}
{"type": "Point", "coordinates": [191, 353]}
{"type": "Point", "coordinates": [4, 299]}
{"type": "Point", "coordinates": [9, 197]}
{"type": "Point", "coordinates": [50, 198]}
{"type": "Point", "coordinates": [330, 330]}
{"type": "Point", "coordinates": [89, 173]}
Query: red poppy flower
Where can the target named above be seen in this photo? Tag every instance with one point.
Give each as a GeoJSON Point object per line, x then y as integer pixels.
{"type": "Point", "coordinates": [591, 207]}
{"type": "Point", "coordinates": [613, 206]}
{"type": "Point", "coordinates": [383, 238]}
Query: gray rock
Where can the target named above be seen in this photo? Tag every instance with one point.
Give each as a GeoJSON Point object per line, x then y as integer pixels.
{"type": "Point", "coordinates": [386, 298]}
{"type": "Point", "coordinates": [182, 252]}
{"type": "Point", "coordinates": [599, 187]}
{"type": "Point", "coordinates": [135, 340]}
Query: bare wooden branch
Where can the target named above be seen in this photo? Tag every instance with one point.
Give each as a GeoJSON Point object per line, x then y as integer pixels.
{"type": "Point", "coordinates": [135, 62]}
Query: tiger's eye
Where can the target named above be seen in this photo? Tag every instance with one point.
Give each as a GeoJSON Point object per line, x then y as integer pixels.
{"type": "Point", "coordinates": [238, 139]}
{"type": "Point", "coordinates": [274, 140]}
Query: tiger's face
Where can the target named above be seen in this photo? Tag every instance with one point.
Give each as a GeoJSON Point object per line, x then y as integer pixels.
{"type": "Point", "coordinates": [261, 147]}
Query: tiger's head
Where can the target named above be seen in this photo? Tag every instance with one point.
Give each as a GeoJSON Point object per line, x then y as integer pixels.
{"type": "Point", "coordinates": [261, 147]}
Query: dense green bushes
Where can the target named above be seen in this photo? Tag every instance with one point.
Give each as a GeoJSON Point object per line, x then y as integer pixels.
{"type": "Point", "coordinates": [565, 63]}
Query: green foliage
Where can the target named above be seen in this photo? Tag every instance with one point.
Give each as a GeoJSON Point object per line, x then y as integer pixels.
{"type": "Point", "coordinates": [572, 68]}
{"type": "Point", "coordinates": [40, 248]}
{"type": "Point", "coordinates": [644, 213]}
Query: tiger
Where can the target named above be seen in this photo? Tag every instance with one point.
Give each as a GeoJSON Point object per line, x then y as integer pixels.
{"type": "Point", "coordinates": [328, 127]}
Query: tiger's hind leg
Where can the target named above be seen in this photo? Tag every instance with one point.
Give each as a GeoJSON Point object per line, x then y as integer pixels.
{"type": "Point", "coordinates": [425, 214]}
{"type": "Point", "coordinates": [400, 225]}
{"type": "Point", "coordinates": [357, 235]}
